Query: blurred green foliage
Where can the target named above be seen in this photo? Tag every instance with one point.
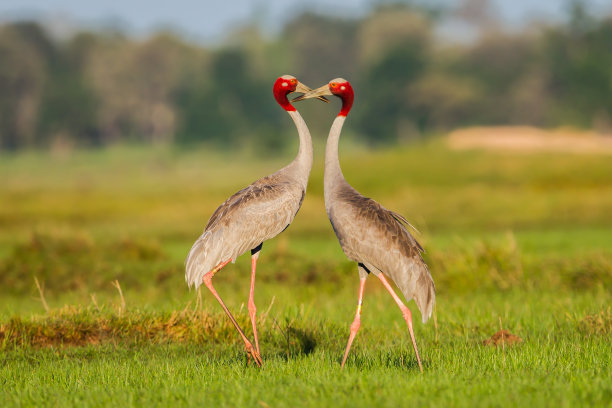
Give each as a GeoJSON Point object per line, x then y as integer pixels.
{"type": "Point", "coordinates": [97, 88]}
{"type": "Point", "coordinates": [491, 222]}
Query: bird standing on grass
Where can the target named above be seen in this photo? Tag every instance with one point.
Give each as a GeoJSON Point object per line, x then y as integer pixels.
{"type": "Point", "coordinates": [253, 215]}
{"type": "Point", "coordinates": [376, 238]}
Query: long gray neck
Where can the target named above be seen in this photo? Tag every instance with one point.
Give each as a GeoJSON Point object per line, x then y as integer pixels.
{"type": "Point", "coordinates": [300, 168]}
{"type": "Point", "coordinates": [333, 174]}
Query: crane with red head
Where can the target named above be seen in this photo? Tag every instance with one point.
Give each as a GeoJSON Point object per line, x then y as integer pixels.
{"type": "Point", "coordinates": [253, 215]}
{"type": "Point", "coordinates": [373, 236]}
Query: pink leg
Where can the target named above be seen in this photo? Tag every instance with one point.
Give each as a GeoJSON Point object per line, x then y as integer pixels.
{"type": "Point", "coordinates": [405, 312]}
{"type": "Point", "coordinates": [208, 282]}
{"type": "Point", "coordinates": [356, 322]}
{"type": "Point", "coordinates": [251, 305]}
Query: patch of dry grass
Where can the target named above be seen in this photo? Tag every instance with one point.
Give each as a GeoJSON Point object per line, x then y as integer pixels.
{"type": "Point", "coordinates": [78, 326]}
{"type": "Point", "coordinates": [75, 326]}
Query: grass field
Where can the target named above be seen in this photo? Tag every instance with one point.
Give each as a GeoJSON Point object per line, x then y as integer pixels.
{"type": "Point", "coordinates": [521, 242]}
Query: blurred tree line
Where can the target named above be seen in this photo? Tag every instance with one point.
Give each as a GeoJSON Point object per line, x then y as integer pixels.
{"type": "Point", "coordinates": [99, 88]}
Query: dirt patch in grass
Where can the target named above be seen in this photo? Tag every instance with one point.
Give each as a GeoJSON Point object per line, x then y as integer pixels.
{"type": "Point", "coordinates": [530, 139]}
{"type": "Point", "coordinates": [502, 337]}
{"type": "Point", "coordinates": [598, 323]}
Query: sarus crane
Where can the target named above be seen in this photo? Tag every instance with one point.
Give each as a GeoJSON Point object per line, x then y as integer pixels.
{"type": "Point", "coordinates": [373, 236]}
{"type": "Point", "coordinates": [253, 215]}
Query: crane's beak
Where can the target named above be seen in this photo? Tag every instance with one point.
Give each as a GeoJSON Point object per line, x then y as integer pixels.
{"type": "Point", "coordinates": [316, 93]}
{"type": "Point", "coordinates": [305, 90]}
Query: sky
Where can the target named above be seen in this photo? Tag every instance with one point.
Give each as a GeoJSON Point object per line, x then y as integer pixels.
{"type": "Point", "coordinates": [209, 20]}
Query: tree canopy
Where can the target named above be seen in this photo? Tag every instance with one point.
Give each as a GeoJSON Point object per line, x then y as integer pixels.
{"type": "Point", "coordinates": [98, 88]}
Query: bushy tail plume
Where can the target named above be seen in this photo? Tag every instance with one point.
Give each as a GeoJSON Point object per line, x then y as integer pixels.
{"type": "Point", "coordinates": [202, 258]}
{"type": "Point", "coordinates": [415, 282]}
{"type": "Point", "coordinates": [425, 295]}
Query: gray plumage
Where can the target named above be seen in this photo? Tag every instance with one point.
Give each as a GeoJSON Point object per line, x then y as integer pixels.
{"type": "Point", "coordinates": [254, 214]}
{"type": "Point", "coordinates": [373, 235]}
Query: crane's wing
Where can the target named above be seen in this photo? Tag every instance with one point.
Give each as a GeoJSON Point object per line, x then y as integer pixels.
{"type": "Point", "coordinates": [361, 216]}
{"type": "Point", "coordinates": [254, 214]}
{"type": "Point", "coordinates": [404, 221]}
{"type": "Point", "coordinates": [376, 236]}
{"type": "Point", "coordinates": [270, 196]}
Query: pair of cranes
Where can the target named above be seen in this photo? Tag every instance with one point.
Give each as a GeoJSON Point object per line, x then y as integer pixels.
{"type": "Point", "coordinates": [375, 237]}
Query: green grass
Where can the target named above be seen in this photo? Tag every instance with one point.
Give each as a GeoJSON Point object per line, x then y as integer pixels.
{"type": "Point", "coordinates": [563, 360]}
{"type": "Point", "coordinates": [517, 239]}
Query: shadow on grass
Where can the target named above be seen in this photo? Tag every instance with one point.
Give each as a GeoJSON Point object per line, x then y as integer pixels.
{"type": "Point", "coordinates": [402, 360]}
{"type": "Point", "coordinates": [306, 341]}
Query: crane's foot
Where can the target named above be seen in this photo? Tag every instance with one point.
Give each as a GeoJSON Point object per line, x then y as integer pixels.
{"type": "Point", "coordinates": [354, 328]}
{"type": "Point", "coordinates": [252, 353]}
{"type": "Point", "coordinates": [357, 321]}
{"type": "Point", "coordinates": [405, 313]}
{"type": "Point", "coordinates": [408, 318]}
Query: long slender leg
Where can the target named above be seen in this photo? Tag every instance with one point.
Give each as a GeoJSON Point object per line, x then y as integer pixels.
{"type": "Point", "coordinates": [356, 322]}
{"type": "Point", "coordinates": [405, 312]}
{"type": "Point", "coordinates": [208, 282]}
{"type": "Point", "coordinates": [251, 304]}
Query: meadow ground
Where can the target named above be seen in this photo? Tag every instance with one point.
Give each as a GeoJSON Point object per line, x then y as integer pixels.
{"type": "Point", "coordinates": [514, 241]}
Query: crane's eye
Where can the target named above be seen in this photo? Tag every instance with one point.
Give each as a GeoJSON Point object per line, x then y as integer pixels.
{"type": "Point", "coordinates": [294, 81]}
{"type": "Point", "coordinates": [333, 84]}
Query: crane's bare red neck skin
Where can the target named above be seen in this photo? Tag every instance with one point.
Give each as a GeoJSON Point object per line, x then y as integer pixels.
{"type": "Point", "coordinates": [281, 92]}
{"type": "Point", "coordinates": [347, 95]}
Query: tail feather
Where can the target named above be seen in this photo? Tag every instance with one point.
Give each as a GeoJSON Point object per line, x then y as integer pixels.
{"type": "Point", "coordinates": [202, 258]}
{"type": "Point", "coordinates": [415, 282]}
{"type": "Point", "coordinates": [425, 295]}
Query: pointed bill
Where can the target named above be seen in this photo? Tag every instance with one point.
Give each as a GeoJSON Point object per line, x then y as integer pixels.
{"type": "Point", "coordinates": [304, 89]}
{"type": "Point", "coordinates": [316, 93]}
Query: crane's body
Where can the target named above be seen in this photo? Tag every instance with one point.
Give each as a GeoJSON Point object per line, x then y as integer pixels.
{"type": "Point", "coordinates": [375, 237]}
{"type": "Point", "coordinates": [253, 215]}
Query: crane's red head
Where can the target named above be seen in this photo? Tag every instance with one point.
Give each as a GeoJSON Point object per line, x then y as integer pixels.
{"type": "Point", "coordinates": [287, 84]}
{"type": "Point", "coordinates": [339, 87]}
{"type": "Point", "coordinates": [283, 87]}
{"type": "Point", "coordinates": [342, 89]}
